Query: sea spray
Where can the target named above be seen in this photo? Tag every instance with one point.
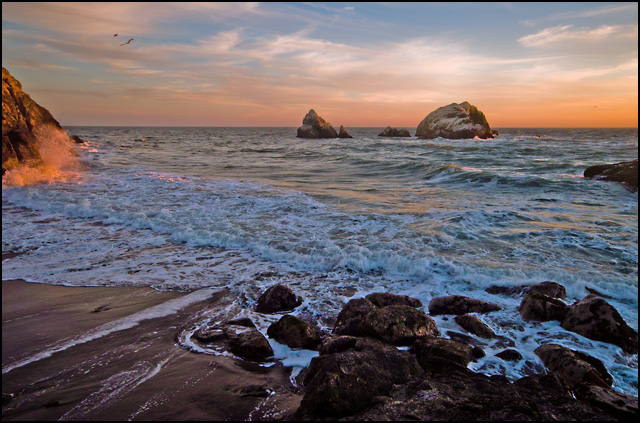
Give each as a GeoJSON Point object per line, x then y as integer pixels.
{"type": "Point", "coordinates": [59, 160]}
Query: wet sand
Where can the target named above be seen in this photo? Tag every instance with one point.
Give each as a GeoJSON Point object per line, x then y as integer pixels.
{"type": "Point", "coordinates": [68, 353]}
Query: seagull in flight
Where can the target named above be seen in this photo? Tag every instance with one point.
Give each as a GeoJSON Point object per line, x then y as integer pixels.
{"type": "Point", "coordinates": [130, 39]}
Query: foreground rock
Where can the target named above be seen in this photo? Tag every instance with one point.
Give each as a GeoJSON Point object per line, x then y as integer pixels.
{"type": "Point", "coordinates": [22, 120]}
{"type": "Point", "coordinates": [394, 132]}
{"type": "Point", "coordinates": [455, 121]}
{"type": "Point", "coordinates": [541, 307]}
{"type": "Point", "coordinates": [462, 395]}
{"type": "Point", "coordinates": [458, 304]}
{"type": "Point", "coordinates": [624, 172]}
{"type": "Point", "coordinates": [594, 318]}
{"type": "Point", "coordinates": [295, 333]}
{"type": "Point", "coordinates": [390, 318]}
{"type": "Point", "coordinates": [360, 378]}
{"type": "Point", "coordinates": [474, 325]}
{"type": "Point", "coordinates": [346, 382]}
{"type": "Point", "coordinates": [240, 337]}
{"type": "Point", "coordinates": [277, 298]}
{"type": "Point", "coordinates": [574, 367]}
{"type": "Point", "coordinates": [313, 126]}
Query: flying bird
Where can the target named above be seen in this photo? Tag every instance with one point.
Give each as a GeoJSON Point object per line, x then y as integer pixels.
{"type": "Point", "coordinates": [115, 35]}
{"type": "Point", "coordinates": [130, 39]}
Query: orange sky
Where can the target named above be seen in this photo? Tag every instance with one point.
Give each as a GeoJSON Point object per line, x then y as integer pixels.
{"type": "Point", "coordinates": [356, 64]}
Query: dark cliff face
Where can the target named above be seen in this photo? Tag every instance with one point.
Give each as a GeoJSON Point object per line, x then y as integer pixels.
{"type": "Point", "coordinates": [22, 118]}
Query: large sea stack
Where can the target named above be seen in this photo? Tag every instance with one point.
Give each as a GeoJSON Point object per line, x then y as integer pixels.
{"type": "Point", "coordinates": [455, 121]}
{"type": "Point", "coordinates": [22, 120]}
{"type": "Point", "coordinates": [313, 126]}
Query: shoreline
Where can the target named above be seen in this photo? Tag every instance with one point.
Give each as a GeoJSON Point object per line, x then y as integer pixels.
{"type": "Point", "coordinates": [81, 353]}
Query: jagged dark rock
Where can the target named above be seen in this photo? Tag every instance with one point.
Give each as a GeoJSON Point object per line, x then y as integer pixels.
{"type": "Point", "coordinates": [624, 172]}
{"type": "Point", "coordinates": [313, 126]}
{"type": "Point", "coordinates": [22, 120]}
{"type": "Point", "coordinates": [455, 121]}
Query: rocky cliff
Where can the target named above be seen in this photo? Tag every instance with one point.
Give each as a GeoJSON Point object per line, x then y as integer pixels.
{"type": "Point", "coordinates": [22, 120]}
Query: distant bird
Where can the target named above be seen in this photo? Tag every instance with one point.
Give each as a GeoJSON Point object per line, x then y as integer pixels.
{"type": "Point", "coordinates": [115, 35]}
{"type": "Point", "coordinates": [130, 39]}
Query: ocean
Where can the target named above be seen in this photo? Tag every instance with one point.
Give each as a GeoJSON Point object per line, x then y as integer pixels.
{"type": "Point", "coordinates": [189, 209]}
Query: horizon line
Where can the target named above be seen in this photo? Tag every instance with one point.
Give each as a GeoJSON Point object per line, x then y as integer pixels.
{"type": "Point", "coordinates": [364, 127]}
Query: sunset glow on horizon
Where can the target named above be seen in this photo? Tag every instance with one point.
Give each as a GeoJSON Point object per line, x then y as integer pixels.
{"type": "Point", "coordinates": [356, 64]}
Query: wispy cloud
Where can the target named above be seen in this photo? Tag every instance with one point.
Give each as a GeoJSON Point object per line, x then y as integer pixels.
{"type": "Point", "coordinates": [568, 33]}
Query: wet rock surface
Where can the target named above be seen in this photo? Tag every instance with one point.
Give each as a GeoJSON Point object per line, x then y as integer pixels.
{"type": "Point", "coordinates": [361, 375]}
{"type": "Point", "coordinates": [277, 298]}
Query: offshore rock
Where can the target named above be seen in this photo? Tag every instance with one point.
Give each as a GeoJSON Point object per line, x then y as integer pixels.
{"type": "Point", "coordinates": [313, 126]}
{"type": "Point", "coordinates": [343, 133]}
{"type": "Point", "coordinates": [594, 318]}
{"type": "Point", "coordinates": [22, 118]}
{"type": "Point", "coordinates": [455, 121]}
{"type": "Point", "coordinates": [624, 172]}
{"type": "Point", "coordinates": [277, 298]}
{"type": "Point", "coordinates": [394, 132]}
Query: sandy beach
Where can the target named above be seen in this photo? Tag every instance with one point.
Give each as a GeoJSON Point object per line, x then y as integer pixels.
{"type": "Point", "coordinates": [73, 353]}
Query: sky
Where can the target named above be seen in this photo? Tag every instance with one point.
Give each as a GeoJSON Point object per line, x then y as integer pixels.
{"type": "Point", "coordinates": [544, 64]}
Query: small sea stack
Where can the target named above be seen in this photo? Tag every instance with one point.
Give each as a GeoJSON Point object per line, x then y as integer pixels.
{"type": "Point", "coordinates": [313, 126]}
{"type": "Point", "coordinates": [394, 132]}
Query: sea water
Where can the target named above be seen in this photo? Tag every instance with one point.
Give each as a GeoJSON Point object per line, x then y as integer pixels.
{"type": "Point", "coordinates": [335, 219]}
